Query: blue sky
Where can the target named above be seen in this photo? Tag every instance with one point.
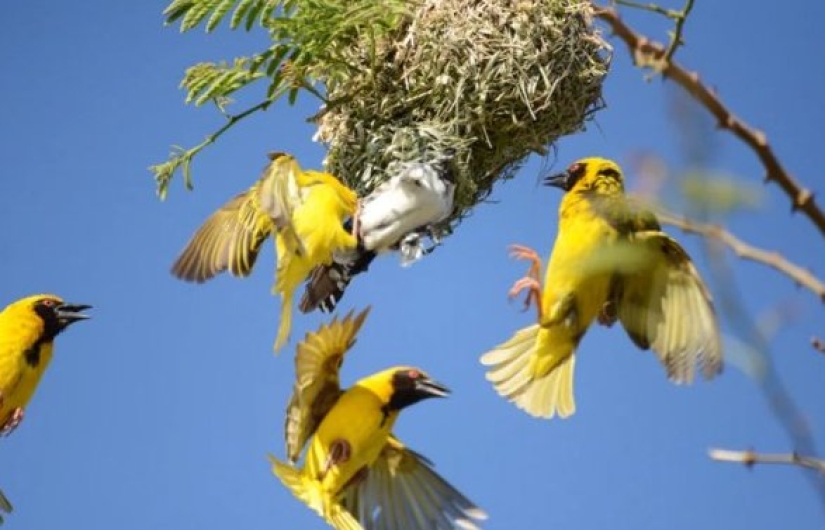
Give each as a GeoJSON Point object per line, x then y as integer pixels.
{"type": "Point", "coordinates": [160, 411]}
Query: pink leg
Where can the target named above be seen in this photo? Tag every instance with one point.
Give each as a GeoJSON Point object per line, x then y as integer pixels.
{"type": "Point", "coordinates": [527, 253]}
{"type": "Point", "coordinates": [534, 293]}
{"type": "Point", "coordinates": [531, 281]}
{"type": "Point", "coordinates": [12, 423]}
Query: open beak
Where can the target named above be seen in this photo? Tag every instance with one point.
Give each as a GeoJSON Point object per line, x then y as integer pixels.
{"type": "Point", "coordinates": [560, 180]}
{"type": "Point", "coordinates": [430, 388]}
{"type": "Point", "coordinates": [68, 313]}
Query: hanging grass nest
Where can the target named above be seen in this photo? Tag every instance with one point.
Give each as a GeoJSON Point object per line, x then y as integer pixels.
{"type": "Point", "coordinates": [490, 80]}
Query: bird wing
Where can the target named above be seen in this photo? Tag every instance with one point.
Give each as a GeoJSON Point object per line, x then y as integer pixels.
{"type": "Point", "coordinates": [317, 388]}
{"type": "Point", "coordinates": [279, 193]}
{"type": "Point", "coordinates": [402, 491]}
{"type": "Point", "coordinates": [664, 305]}
{"type": "Point", "coordinates": [230, 239]}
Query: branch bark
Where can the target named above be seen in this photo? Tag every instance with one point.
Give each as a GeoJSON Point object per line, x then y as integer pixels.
{"type": "Point", "coordinates": [651, 54]}
{"type": "Point", "coordinates": [750, 458]}
{"type": "Point", "coordinates": [746, 251]}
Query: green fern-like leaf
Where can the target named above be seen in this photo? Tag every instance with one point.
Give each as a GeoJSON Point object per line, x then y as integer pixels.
{"type": "Point", "coordinates": [218, 14]}
{"type": "Point", "coordinates": [177, 9]}
{"type": "Point", "coordinates": [197, 13]}
{"type": "Point", "coordinates": [214, 82]}
{"type": "Point", "coordinates": [240, 12]}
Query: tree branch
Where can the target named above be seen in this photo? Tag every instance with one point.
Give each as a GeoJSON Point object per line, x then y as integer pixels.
{"type": "Point", "coordinates": [750, 458]}
{"type": "Point", "coordinates": [818, 344]}
{"type": "Point", "coordinates": [647, 53]}
{"type": "Point", "coordinates": [746, 251]}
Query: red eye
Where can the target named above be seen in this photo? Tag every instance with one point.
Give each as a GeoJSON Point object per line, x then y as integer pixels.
{"type": "Point", "coordinates": [414, 374]}
{"type": "Point", "coordinates": [48, 303]}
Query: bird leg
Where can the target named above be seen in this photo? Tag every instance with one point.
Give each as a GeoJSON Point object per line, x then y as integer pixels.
{"type": "Point", "coordinates": [527, 253]}
{"type": "Point", "coordinates": [534, 294]}
{"type": "Point", "coordinates": [531, 281]}
{"type": "Point", "coordinates": [339, 452]}
{"type": "Point", "coordinates": [609, 313]}
{"type": "Point", "coordinates": [12, 422]}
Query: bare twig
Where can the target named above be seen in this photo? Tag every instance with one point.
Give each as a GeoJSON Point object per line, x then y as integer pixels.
{"type": "Point", "coordinates": [647, 53]}
{"type": "Point", "coordinates": [750, 458]}
{"type": "Point", "coordinates": [818, 344]}
{"type": "Point", "coordinates": [746, 251]}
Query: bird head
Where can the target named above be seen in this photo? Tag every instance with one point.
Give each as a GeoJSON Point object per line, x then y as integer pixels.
{"type": "Point", "coordinates": [51, 312]}
{"type": "Point", "coordinates": [402, 386]}
{"type": "Point", "coordinates": [588, 174]}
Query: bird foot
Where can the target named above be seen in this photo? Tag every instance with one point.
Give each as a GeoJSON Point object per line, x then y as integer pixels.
{"type": "Point", "coordinates": [608, 315]}
{"type": "Point", "coordinates": [527, 253]}
{"type": "Point", "coordinates": [12, 422]}
{"type": "Point", "coordinates": [533, 296]}
{"type": "Point", "coordinates": [339, 452]}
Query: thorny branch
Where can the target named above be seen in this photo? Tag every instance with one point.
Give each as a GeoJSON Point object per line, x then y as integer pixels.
{"type": "Point", "coordinates": [750, 458]}
{"type": "Point", "coordinates": [651, 54]}
{"type": "Point", "coordinates": [746, 251]}
{"type": "Point", "coordinates": [674, 14]}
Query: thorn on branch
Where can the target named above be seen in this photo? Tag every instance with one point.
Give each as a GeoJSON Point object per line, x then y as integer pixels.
{"type": "Point", "coordinates": [647, 53]}
{"type": "Point", "coordinates": [818, 344]}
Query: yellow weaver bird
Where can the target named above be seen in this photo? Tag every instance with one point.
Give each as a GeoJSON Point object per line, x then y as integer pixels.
{"type": "Point", "coordinates": [610, 261]}
{"type": "Point", "coordinates": [27, 331]}
{"type": "Point", "coordinates": [356, 474]}
{"type": "Point", "coordinates": [303, 210]}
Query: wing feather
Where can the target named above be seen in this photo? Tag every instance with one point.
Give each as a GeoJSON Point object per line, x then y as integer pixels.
{"type": "Point", "coordinates": [664, 305]}
{"type": "Point", "coordinates": [230, 239]}
{"type": "Point", "coordinates": [402, 491]}
{"type": "Point", "coordinates": [317, 387]}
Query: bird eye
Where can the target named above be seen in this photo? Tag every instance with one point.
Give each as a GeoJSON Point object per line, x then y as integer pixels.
{"type": "Point", "coordinates": [47, 302]}
{"type": "Point", "coordinates": [413, 374]}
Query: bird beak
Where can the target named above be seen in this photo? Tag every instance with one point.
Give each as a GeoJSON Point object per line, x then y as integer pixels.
{"type": "Point", "coordinates": [429, 388]}
{"type": "Point", "coordinates": [560, 180]}
{"type": "Point", "coordinates": [68, 313]}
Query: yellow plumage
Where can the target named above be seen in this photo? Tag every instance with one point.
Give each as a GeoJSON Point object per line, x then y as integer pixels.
{"type": "Point", "coordinates": [610, 261]}
{"type": "Point", "coordinates": [355, 474]}
{"type": "Point", "coordinates": [27, 331]}
{"type": "Point", "coordinates": [303, 210]}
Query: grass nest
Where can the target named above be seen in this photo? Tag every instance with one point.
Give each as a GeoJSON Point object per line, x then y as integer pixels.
{"type": "Point", "coordinates": [491, 81]}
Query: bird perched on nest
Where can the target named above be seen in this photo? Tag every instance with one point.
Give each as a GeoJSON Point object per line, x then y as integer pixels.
{"type": "Point", "coordinates": [356, 474]}
{"type": "Point", "coordinates": [28, 328]}
{"type": "Point", "coordinates": [397, 215]}
{"type": "Point", "coordinates": [303, 210]}
{"type": "Point", "coordinates": [610, 261]}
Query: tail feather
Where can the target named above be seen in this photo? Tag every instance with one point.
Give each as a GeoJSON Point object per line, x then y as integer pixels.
{"type": "Point", "coordinates": [327, 283]}
{"type": "Point", "coordinates": [310, 493]}
{"type": "Point", "coordinates": [512, 372]}
{"type": "Point", "coordinates": [285, 324]}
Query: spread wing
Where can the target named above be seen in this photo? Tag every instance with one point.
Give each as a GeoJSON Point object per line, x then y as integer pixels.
{"type": "Point", "coordinates": [664, 305]}
{"type": "Point", "coordinates": [279, 193]}
{"type": "Point", "coordinates": [402, 491]}
{"type": "Point", "coordinates": [230, 239]}
{"type": "Point", "coordinates": [317, 388]}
